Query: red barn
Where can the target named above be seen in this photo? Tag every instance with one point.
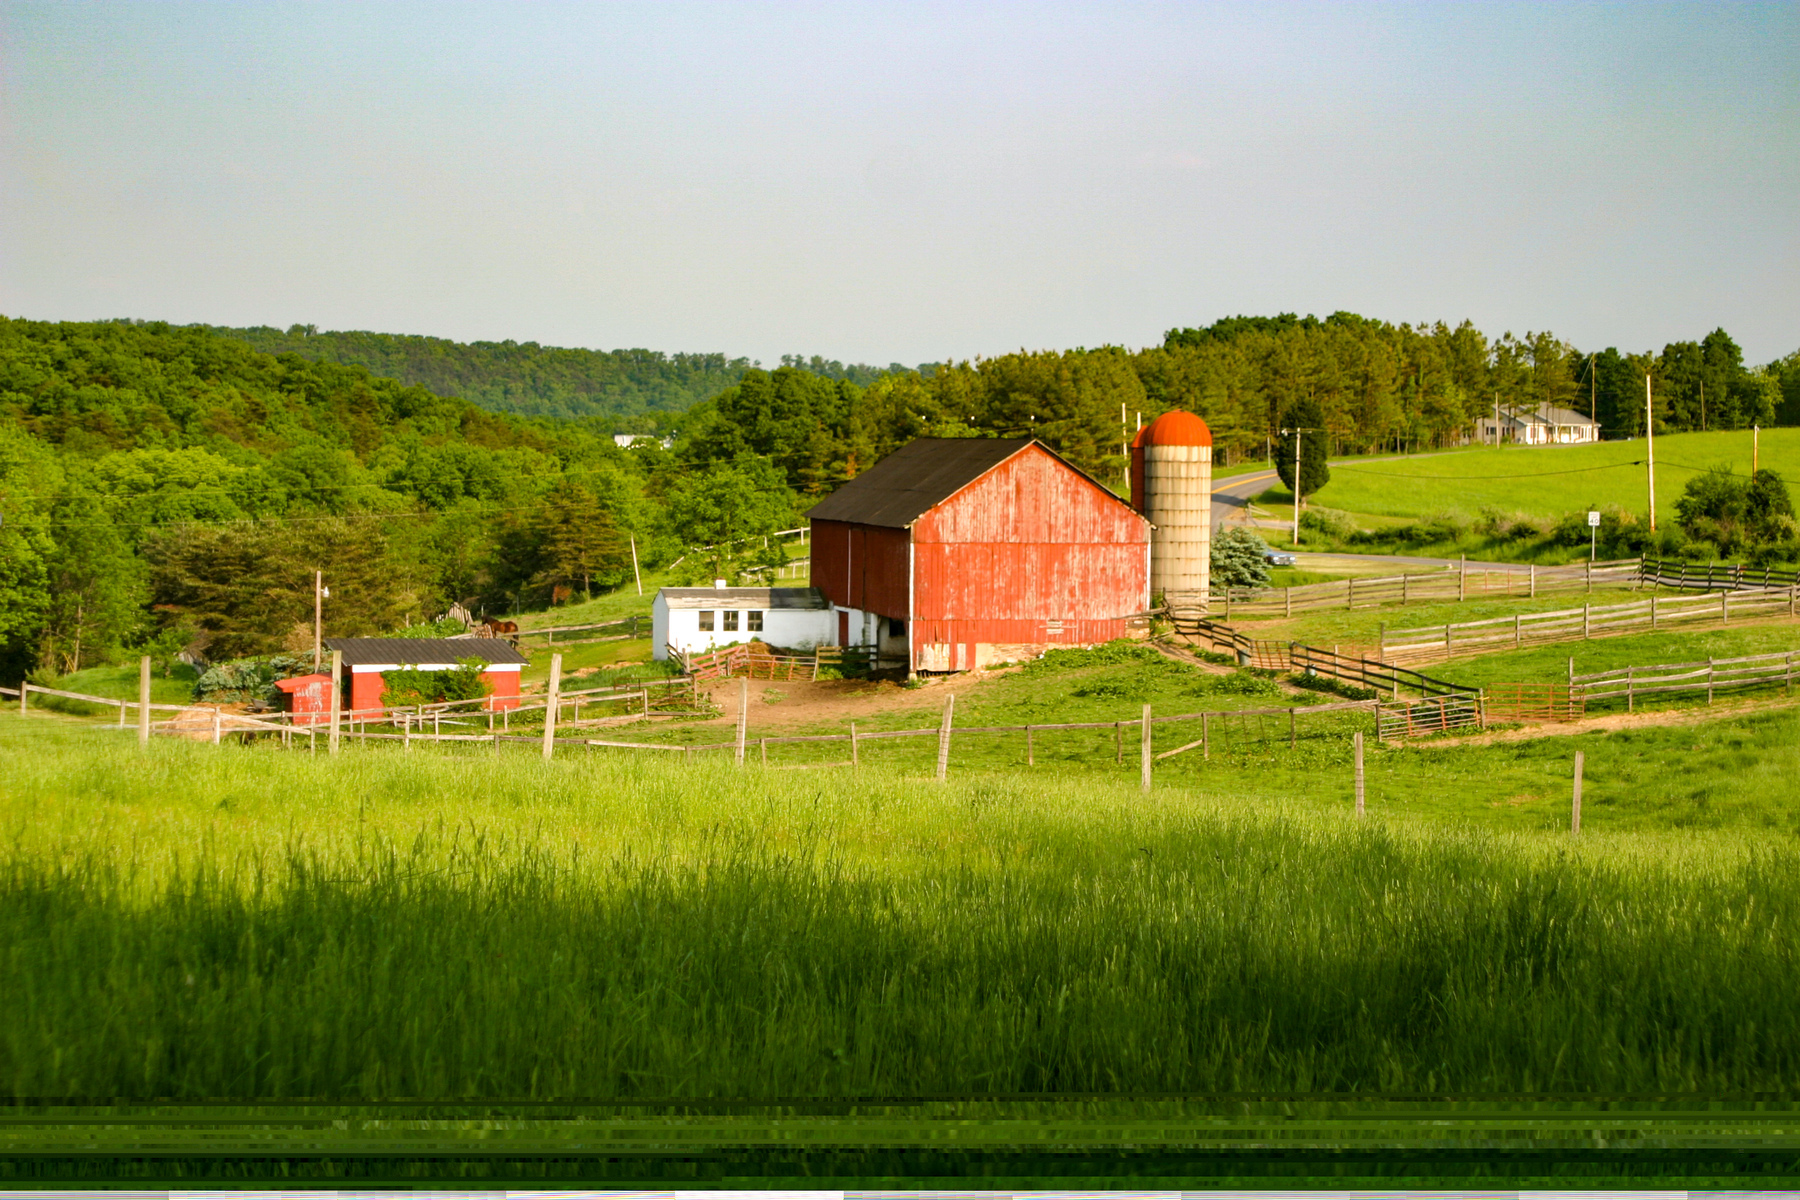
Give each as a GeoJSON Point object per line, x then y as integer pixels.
{"type": "Point", "coordinates": [953, 553]}
{"type": "Point", "coordinates": [366, 658]}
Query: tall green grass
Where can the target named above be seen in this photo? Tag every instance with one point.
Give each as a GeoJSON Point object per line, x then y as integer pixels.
{"type": "Point", "coordinates": [192, 922]}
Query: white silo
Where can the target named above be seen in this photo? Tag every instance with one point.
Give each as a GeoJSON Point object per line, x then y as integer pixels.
{"type": "Point", "coordinates": [1171, 484]}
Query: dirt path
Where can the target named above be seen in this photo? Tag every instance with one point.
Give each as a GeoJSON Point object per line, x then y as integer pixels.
{"type": "Point", "coordinates": [1617, 721]}
{"type": "Point", "coordinates": [782, 705]}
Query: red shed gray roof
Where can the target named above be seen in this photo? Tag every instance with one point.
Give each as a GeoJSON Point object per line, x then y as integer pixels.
{"type": "Point", "coordinates": [914, 479]}
{"type": "Point", "coordinates": [422, 652]}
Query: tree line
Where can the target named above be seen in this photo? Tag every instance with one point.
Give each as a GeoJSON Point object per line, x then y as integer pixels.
{"type": "Point", "coordinates": [639, 390]}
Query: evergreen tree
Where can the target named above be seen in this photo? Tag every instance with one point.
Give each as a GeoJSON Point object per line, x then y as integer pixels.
{"type": "Point", "coordinates": [1314, 444]}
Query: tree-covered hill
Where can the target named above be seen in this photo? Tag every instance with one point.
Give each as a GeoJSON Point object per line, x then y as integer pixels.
{"type": "Point", "coordinates": [637, 389]}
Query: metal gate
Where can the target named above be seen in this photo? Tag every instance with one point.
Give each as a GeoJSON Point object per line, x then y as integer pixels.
{"type": "Point", "coordinates": [1428, 716]}
{"type": "Point", "coordinates": [1535, 702]}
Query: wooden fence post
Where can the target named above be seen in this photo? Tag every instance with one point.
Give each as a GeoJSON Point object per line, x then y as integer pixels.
{"type": "Point", "coordinates": [1534, 581]}
{"type": "Point", "coordinates": [1586, 616]}
{"type": "Point", "coordinates": [1350, 592]}
{"type": "Point", "coordinates": [1652, 612]}
{"type": "Point", "coordinates": [1405, 597]}
{"type": "Point", "coordinates": [216, 723]}
{"type": "Point", "coordinates": [1118, 743]}
{"type": "Point", "coordinates": [1288, 596]}
{"type": "Point", "coordinates": [1357, 742]}
{"type": "Point", "coordinates": [943, 763]}
{"type": "Point", "coordinates": [553, 698]}
{"type": "Point", "coordinates": [1205, 736]}
{"type": "Point", "coordinates": [1725, 607]}
{"type": "Point", "coordinates": [763, 745]}
{"type": "Point", "coordinates": [1518, 630]}
{"type": "Point", "coordinates": [1709, 679]}
{"type": "Point", "coordinates": [24, 691]}
{"type": "Point", "coordinates": [1144, 753]}
{"type": "Point", "coordinates": [1293, 730]}
{"type": "Point", "coordinates": [743, 721]}
{"type": "Point", "coordinates": [144, 701]}
{"type": "Point", "coordinates": [1575, 800]}
{"type": "Point", "coordinates": [853, 761]}
{"type": "Point", "coordinates": [1630, 692]}
{"type": "Point", "coordinates": [1030, 749]}
{"type": "Point", "coordinates": [337, 699]}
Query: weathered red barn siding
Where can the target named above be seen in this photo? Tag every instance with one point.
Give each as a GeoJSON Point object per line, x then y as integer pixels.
{"type": "Point", "coordinates": [861, 566]}
{"type": "Point", "coordinates": [1029, 553]}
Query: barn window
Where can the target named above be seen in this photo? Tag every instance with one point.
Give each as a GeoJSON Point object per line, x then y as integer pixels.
{"type": "Point", "coordinates": [706, 624]}
{"type": "Point", "coordinates": [754, 624]}
{"type": "Point", "coordinates": [896, 627]}
{"type": "Point", "coordinates": [730, 620]}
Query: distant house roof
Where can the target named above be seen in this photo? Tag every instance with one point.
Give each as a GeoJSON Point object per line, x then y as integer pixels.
{"type": "Point", "coordinates": [922, 474]}
{"type": "Point", "coordinates": [791, 599]}
{"type": "Point", "coordinates": [1548, 415]}
{"type": "Point", "coordinates": [422, 652]}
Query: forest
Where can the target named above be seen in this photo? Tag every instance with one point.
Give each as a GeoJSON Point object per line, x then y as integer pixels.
{"type": "Point", "coordinates": [639, 390]}
{"type": "Point", "coordinates": [162, 484]}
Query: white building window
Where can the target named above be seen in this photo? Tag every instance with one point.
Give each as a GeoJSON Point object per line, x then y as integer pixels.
{"type": "Point", "coordinates": [706, 620]}
{"type": "Point", "coordinates": [754, 623]}
{"type": "Point", "coordinates": [731, 620]}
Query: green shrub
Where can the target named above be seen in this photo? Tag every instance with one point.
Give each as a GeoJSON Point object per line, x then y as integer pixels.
{"type": "Point", "coordinates": [1107, 654]}
{"type": "Point", "coordinates": [1328, 521]}
{"type": "Point", "coordinates": [249, 680]}
{"type": "Point", "coordinates": [462, 682]}
{"type": "Point", "coordinates": [1239, 559]}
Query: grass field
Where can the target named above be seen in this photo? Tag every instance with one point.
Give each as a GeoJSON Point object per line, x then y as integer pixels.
{"type": "Point", "coordinates": [201, 922]}
{"type": "Point", "coordinates": [1549, 481]}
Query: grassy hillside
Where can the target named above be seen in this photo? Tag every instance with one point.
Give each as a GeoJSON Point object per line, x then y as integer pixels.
{"type": "Point", "coordinates": [1548, 481]}
{"type": "Point", "coordinates": [201, 922]}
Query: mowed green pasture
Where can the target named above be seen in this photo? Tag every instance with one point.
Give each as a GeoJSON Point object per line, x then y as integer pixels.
{"type": "Point", "coordinates": [1549, 481]}
{"type": "Point", "coordinates": [191, 921]}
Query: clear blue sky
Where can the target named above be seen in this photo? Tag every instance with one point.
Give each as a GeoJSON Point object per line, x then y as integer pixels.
{"type": "Point", "coordinates": [882, 182]}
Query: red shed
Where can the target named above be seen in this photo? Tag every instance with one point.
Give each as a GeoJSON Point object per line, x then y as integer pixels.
{"type": "Point", "coordinates": [308, 698]}
{"type": "Point", "coordinates": [366, 658]}
{"type": "Point", "coordinates": [952, 553]}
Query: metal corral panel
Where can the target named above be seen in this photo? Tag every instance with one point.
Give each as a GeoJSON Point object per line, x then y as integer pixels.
{"type": "Point", "coordinates": [861, 566]}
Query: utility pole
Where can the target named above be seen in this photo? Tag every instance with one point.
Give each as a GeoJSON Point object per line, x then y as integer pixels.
{"type": "Point", "coordinates": [1650, 440]}
{"type": "Point", "coordinates": [1297, 439]}
{"type": "Point", "coordinates": [1593, 393]}
{"type": "Point", "coordinates": [1755, 446]}
{"type": "Point", "coordinates": [320, 591]}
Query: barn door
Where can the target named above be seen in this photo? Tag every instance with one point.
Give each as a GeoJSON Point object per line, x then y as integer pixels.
{"type": "Point", "coordinates": [843, 628]}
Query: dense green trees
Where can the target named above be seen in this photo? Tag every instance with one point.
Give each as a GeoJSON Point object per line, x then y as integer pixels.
{"type": "Point", "coordinates": [1304, 444]}
{"type": "Point", "coordinates": [157, 482]}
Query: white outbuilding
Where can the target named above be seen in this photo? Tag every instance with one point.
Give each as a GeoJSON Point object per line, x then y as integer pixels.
{"type": "Point", "coordinates": [694, 620]}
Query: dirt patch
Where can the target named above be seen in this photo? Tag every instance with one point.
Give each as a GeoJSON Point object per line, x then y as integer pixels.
{"type": "Point", "coordinates": [1616, 721]}
{"type": "Point", "coordinates": [809, 702]}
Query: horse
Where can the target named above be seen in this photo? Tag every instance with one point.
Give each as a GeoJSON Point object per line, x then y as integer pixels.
{"type": "Point", "coordinates": [501, 629]}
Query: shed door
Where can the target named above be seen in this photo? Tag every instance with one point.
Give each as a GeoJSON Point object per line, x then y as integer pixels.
{"type": "Point", "coordinates": [843, 629]}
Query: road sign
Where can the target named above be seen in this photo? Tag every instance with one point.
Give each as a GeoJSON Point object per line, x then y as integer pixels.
{"type": "Point", "coordinates": [1594, 519]}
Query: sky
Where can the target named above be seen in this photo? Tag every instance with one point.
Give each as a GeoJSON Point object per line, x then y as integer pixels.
{"type": "Point", "coordinates": [903, 182]}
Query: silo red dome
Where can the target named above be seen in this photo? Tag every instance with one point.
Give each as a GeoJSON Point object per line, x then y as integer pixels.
{"type": "Point", "coordinates": [1174, 428]}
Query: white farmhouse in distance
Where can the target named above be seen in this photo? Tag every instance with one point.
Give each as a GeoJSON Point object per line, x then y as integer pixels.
{"type": "Point", "coordinates": [694, 620]}
{"type": "Point", "coordinates": [1549, 426]}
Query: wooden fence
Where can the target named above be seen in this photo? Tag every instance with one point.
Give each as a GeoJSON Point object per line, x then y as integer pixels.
{"type": "Point", "coordinates": [1436, 643]}
{"type": "Point", "coordinates": [1534, 702]}
{"type": "Point", "coordinates": [1462, 582]}
{"type": "Point", "coordinates": [754, 662]}
{"type": "Point", "coordinates": [1628, 683]}
{"type": "Point", "coordinates": [1714, 576]}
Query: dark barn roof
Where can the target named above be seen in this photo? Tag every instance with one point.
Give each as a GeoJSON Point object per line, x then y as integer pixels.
{"type": "Point", "coordinates": [912, 480]}
{"type": "Point", "coordinates": [422, 652]}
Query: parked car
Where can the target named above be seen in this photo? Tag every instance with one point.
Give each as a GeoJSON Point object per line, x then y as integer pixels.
{"type": "Point", "coordinates": [1279, 558]}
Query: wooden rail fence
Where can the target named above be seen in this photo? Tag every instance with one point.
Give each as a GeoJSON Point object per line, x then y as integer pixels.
{"type": "Point", "coordinates": [1462, 582]}
{"type": "Point", "coordinates": [1436, 643]}
{"type": "Point", "coordinates": [1628, 683]}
